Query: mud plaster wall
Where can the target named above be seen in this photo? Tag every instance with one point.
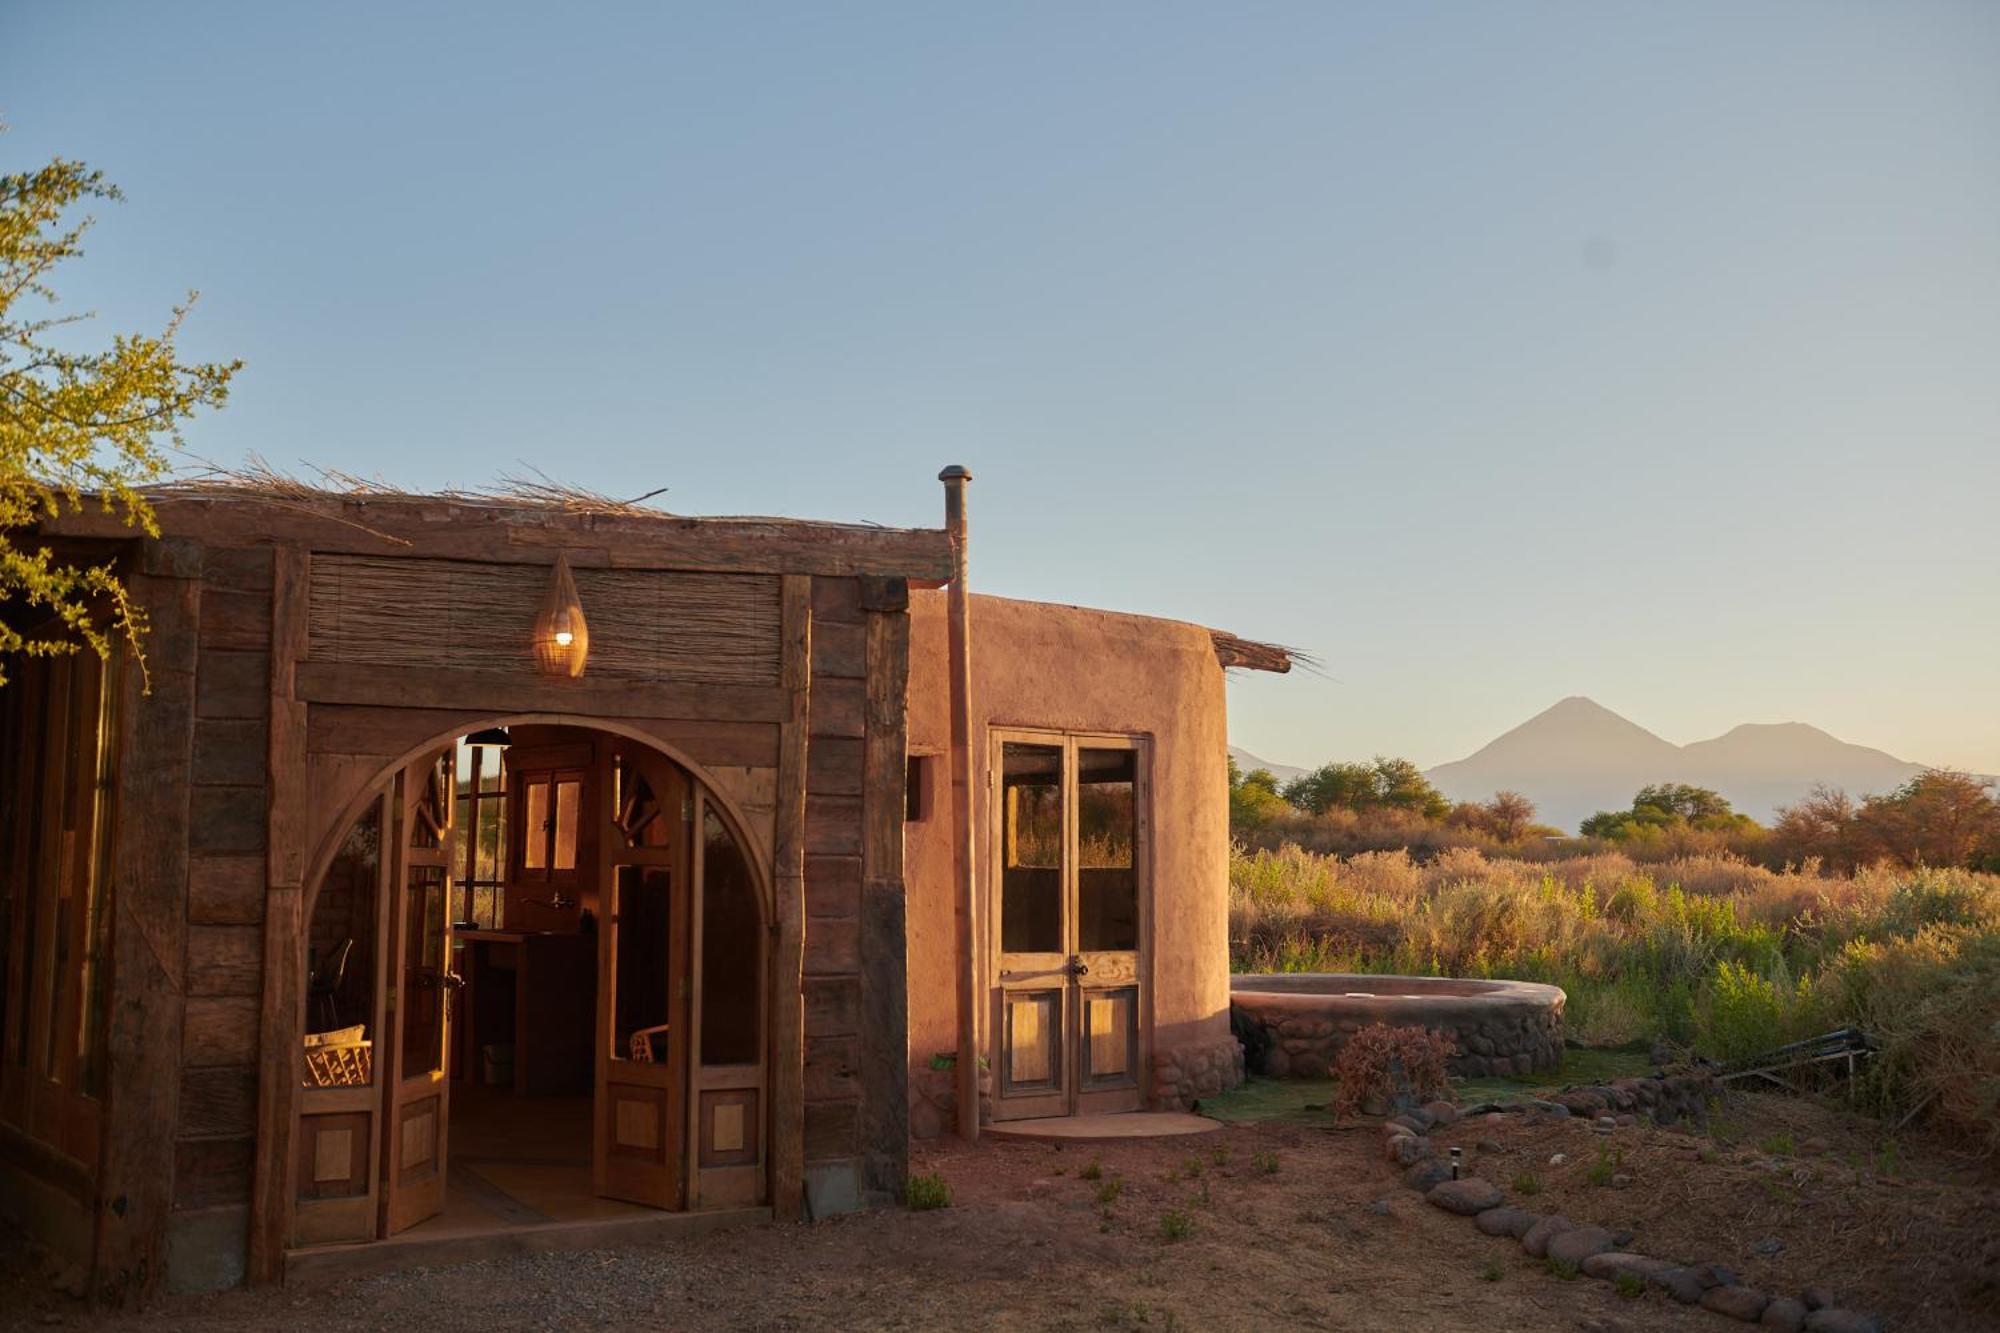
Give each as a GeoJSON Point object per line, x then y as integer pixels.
{"type": "Point", "coordinates": [1065, 668]}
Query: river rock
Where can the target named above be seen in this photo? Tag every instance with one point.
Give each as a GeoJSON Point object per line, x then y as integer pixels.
{"type": "Point", "coordinates": [1607, 1265]}
{"type": "Point", "coordinates": [1408, 1149]}
{"type": "Point", "coordinates": [1784, 1314]}
{"type": "Point", "coordinates": [1578, 1243]}
{"type": "Point", "coordinates": [1535, 1240]}
{"type": "Point", "coordinates": [1441, 1112]}
{"type": "Point", "coordinates": [1505, 1222]}
{"type": "Point", "coordinates": [1831, 1320]}
{"type": "Point", "coordinates": [1427, 1175]}
{"type": "Point", "coordinates": [1466, 1197]}
{"type": "Point", "coordinates": [1745, 1303]}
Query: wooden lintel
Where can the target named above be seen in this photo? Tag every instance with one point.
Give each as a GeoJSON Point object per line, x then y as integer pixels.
{"type": "Point", "coordinates": [496, 692]}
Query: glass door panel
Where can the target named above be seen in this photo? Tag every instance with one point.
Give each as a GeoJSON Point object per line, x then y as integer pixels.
{"type": "Point", "coordinates": [1069, 834]}
{"type": "Point", "coordinates": [1033, 998]}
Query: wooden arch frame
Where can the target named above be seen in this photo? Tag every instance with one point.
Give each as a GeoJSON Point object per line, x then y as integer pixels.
{"type": "Point", "coordinates": [271, 1233]}
{"type": "Point", "coordinates": [322, 855]}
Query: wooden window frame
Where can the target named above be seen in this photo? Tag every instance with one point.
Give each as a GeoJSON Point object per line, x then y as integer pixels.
{"type": "Point", "coordinates": [518, 833]}
{"type": "Point", "coordinates": [61, 771]}
{"type": "Point", "coordinates": [465, 882]}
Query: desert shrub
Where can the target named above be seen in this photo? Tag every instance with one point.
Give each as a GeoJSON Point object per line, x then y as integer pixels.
{"type": "Point", "coordinates": [1705, 949]}
{"type": "Point", "coordinates": [1176, 1224]}
{"type": "Point", "coordinates": [925, 1192]}
{"type": "Point", "coordinates": [1383, 1061]}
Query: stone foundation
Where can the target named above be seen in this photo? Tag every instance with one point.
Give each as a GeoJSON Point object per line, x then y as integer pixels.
{"type": "Point", "coordinates": [1294, 1026]}
{"type": "Point", "coordinates": [934, 1099]}
{"type": "Point", "coordinates": [1187, 1073]}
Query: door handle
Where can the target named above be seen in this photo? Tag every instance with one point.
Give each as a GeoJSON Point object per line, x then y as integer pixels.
{"type": "Point", "coordinates": [1077, 967]}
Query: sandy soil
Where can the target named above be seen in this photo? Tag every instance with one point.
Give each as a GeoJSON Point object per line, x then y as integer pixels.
{"type": "Point", "coordinates": [1330, 1240]}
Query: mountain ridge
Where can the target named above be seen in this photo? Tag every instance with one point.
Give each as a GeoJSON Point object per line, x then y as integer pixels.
{"type": "Point", "coordinates": [1577, 757]}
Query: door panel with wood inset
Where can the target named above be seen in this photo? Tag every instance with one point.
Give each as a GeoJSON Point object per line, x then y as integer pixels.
{"type": "Point", "coordinates": [413, 1156]}
{"type": "Point", "coordinates": [642, 1029]}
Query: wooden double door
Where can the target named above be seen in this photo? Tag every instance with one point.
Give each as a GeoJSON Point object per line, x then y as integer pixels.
{"type": "Point", "coordinates": [1071, 866]}
{"type": "Point", "coordinates": [386, 1097]}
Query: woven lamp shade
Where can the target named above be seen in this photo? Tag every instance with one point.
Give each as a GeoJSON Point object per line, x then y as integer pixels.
{"type": "Point", "coordinates": [562, 635]}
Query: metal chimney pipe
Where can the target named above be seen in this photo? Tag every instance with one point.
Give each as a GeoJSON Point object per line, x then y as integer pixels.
{"type": "Point", "coordinates": [964, 915]}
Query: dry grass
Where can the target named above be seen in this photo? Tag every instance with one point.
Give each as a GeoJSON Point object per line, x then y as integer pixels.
{"type": "Point", "coordinates": [1708, 950]}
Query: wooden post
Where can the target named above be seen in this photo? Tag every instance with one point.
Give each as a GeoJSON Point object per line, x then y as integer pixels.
{"type": "Point", "coordinates": [788, 1041]}
{"type": "Point", "coordinates": [148, 930]}
{"type": "Point", "coordinates": [284, 933]}
{"type": "Point", "coordinates": [884, 936]}
{"type": "Point", "coordinates": [959, 614]}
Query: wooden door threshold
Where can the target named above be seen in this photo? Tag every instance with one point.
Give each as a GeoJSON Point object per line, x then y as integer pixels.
{"type": "Point", "coordinates": [320, 1265]}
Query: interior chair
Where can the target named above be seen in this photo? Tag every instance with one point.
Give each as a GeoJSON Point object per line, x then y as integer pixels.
{"type": "Point", "coordinates": [325, 984]}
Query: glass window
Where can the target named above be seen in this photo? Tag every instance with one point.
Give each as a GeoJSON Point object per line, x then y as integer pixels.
{"type": "Point", "coordinates": [97, 918]}
{"type": "Point", "coordinates": [535, 825]}
{"type": "Point", "coordinates": [479, 834]}
{"type": "Point", "coordinates": [1031, 832]}
{"type": "Point", "coordinates": [340, 960]}
{"type": "Point", "coordinates": [1107, 833]}
{"type": "Point", "coordinates": [640, 818]}
{"type": "Point", "coordinates": [423, 990]}
{"type": "Point", "coordinates": [643, 921]}
{"type": "Point", "coordinates": [569, 795]}
{"type": "Point", "coordinates": [731, 927]}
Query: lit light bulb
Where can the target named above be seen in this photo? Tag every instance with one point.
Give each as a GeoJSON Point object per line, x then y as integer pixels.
{"type": "Point", "coordinates": [564, 638]}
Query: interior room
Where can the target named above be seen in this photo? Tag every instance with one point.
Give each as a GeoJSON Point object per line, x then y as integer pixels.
{"type": "Point", "coordinates": [519, 875]}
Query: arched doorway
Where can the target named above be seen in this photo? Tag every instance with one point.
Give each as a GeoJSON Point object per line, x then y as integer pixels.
{"type": "Point", "coordinates": [537, 989]}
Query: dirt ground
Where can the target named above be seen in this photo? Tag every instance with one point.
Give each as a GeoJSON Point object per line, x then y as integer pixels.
{"type": "Point", "coordinates": [1199, 1234]}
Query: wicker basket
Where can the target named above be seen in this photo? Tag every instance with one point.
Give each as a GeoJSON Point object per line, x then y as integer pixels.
{"type": "Point", "coordinates": [338, 1059]}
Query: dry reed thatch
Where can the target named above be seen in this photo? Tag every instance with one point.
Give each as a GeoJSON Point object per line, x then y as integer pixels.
{"type": "Point", "coordinates": [335, 493]}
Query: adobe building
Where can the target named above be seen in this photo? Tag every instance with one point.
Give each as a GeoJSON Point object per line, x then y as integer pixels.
{"type": "Point", "coordinates": [458, 875]}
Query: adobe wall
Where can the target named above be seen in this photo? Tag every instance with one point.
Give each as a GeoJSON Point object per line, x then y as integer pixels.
{"type": "Point", "coordinates": [1067, 668]}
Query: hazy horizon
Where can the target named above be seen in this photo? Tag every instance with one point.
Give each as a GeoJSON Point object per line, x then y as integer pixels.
{"type": "Point", "coordinates": [1491, 354]}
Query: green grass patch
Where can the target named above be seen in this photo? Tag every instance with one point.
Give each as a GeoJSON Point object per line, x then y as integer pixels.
{"type": "Point", "coordinates": [925, 1192]}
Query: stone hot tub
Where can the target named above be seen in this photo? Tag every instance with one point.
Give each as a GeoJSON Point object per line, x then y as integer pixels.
{"type": "Point", "coordinates": [1292, 1024]}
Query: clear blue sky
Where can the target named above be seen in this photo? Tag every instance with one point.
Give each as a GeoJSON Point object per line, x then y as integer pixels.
{"type": "Point", "coordinates": [1491, 352]}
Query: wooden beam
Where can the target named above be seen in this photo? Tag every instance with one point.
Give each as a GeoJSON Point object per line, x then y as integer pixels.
{"type": "Point", "coordinates": [1249, 654]}
{"type": "Point", "coordinates": [493, 692]}
{"type": "Point", "coordinates": [883, 940]}
{"type": "Point", "coordinates": [284, 934]}
{"type": "Point", "coordinates": [148, 943]}
{"type": "Point", "coordinates": [517, 534]}
{"type": "Point", "coordinates": [958, 615]}
{"type": "Point", "coordinates": [788, 1051]}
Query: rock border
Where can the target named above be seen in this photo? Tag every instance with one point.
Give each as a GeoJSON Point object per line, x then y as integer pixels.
{"type": "Point", "coordinates": [1594, 1251]}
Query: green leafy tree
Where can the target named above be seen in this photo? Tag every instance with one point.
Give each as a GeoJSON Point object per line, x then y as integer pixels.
{"type": "Point", "coordinates": [1253, 797]}
{"type": "Point", "coordinates": [1384, 784]}
{"type": "Point", "coordinates": [1665, 806]}
{"type": "Point", "coordinates": [77, 428]}
{"type": "Point", "coordinates": [1679, 800]}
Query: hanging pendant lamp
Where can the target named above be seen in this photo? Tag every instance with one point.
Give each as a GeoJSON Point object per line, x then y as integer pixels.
{"type": "Point", "coordinates": [562, 635]}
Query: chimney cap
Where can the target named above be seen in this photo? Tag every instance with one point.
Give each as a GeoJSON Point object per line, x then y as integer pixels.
{"type": "Point", "coordinates": [956, 472]}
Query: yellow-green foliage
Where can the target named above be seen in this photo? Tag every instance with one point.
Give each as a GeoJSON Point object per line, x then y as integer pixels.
{"type": "Point", "coordinates": [76, 427]}
{"type": "Point", "coordinates": [1707, 950]}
